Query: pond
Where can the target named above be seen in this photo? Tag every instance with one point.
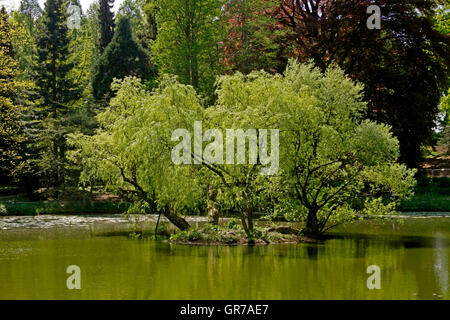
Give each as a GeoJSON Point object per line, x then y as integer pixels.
{"type": "Point", "coordinates": [412, 254]}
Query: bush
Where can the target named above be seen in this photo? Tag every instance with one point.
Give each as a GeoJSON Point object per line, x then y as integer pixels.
{"type": "Point", "coordinates": [233, 224]}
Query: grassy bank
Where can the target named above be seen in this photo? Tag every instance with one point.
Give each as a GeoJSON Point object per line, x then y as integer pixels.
{"type": "Point", "coordinates": [431, 195]}
{"type": "Point", "coordinates": [31, 208]}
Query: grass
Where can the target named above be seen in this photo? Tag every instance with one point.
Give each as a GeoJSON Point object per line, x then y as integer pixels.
{"type": "Point", "coordinates": [432, 195]}
{"type": "Point", "coordinates": [32, 208]}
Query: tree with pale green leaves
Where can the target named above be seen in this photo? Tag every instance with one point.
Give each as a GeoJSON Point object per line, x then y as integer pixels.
{"type": "Point", "coordinates": [130, 152]}
{"type": "Point", "coordinates": [326, 166]}
{"type": "Point", "coordinates": [335, 164]}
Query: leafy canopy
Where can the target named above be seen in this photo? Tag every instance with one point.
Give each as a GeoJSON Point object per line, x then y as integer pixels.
{"type": "Point", "coordinates": [333, 163]}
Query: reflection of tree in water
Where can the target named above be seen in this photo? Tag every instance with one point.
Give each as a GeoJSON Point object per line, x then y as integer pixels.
{"type": "Point", "coordinates": [441, 263]}
{"type": "Point", "coordinates": [419, 261]}
{"type": "Point", "coordinates": [312, 251]}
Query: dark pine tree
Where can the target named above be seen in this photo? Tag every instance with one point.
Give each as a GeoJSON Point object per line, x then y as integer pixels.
{"type": "Point", "coordinates": [56, 90]}
{"type": "Point", "coordinates": [106, 21]}
{"type": "Point", "coordinates": [122, 57]}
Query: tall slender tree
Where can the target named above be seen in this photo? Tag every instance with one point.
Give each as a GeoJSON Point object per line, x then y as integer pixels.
{"type": "Point", "coordinates": [25, 24]}
{"type": "Point", "coordinates": [30, 11]}
{"type": "Point", "coordinates": [106, 20]}
{"type": "Point", "coordinates": [11, 135]}
{"type": "Point", "coordinates": [187, 41]}
{"type": "Point", "coordinates": [56, 89]}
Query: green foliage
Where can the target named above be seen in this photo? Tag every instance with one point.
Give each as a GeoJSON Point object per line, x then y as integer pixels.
{"type": "Point", "coordinates": [329, 154]}
{"type": "Point", "coordinates": [431, 195]}
{"type": "Point", "coordinates": [252, 41]}
{"type": "Point", "coordinates": [25, 24]}
{"type": "Point", "coordinates": [142, 20]}
{"type": "Point", "coordinates": [187, 41]}
{"type": "Point", "coordinates": [130, 152]}
{"type": "Point", "coordinates": [233, 224]}
{"type": "Point", "coordinates": [84, 50]}
{"type": "Point", "coordinates": [398, 92]}
{"type": "Point", "coordinates": [11, 134]}
{"type": "Point", "coordinates": [55, 86]}
{"type": "Point", "coordinates": [442, 17]}
{"type": "Point", "coordinates": [30, 11]}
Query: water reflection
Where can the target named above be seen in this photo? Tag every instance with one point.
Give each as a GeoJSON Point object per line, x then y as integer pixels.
{"type": "Point", "coordinates": [413, 259]}
{"type": "Point", "coordinates": [441, 262]}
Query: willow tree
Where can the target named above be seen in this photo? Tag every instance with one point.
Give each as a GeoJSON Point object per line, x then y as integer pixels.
{"type": "Point", "coordinates": [335, 164]}
{"type": "Point", "coordinates": [295, 142]}
{"type": "Point", "coordinates": [130, 153]}
{"type": "Point", "coordinates": [332, 163]}
{"type": "Point", "coordinates": [135, 152]}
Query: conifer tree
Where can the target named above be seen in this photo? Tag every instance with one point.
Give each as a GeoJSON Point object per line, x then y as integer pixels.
{"type": "Point", "coordinates": [122, 57]}
{"type": "Point", "coordinates": [56, 89]}
{"type": "Point", "coordinates": [106, 20]}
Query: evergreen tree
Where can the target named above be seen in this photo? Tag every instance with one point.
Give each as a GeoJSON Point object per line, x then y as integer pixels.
{"type": "Point", "coordinates": [56, 89]}
{"type": "Point", "coordinates": [122, 57]}
{"type": "Point", "coordinates": [142, 27]}
{"type": "Point", "coordinates": [106, 20]}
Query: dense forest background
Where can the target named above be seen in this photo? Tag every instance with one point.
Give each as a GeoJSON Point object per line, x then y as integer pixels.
{"type": "Point", "coordinates": [56, 68]}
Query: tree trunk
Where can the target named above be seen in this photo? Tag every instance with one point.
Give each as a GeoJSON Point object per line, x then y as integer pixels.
{"type": "Point", "coordinates": [177, 220]}
{"type": "Point", "coordinates": [213, 212]}
{"type": "Point", "coordinates": [312, 225]}
{"type": "Point", "coordinates": [250, 219]}
{"type": "Point", "coordinates": [244, 224]}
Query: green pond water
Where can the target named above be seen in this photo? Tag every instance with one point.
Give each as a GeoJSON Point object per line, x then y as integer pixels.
{"type": "Point", "coordinates": [413, 256]}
